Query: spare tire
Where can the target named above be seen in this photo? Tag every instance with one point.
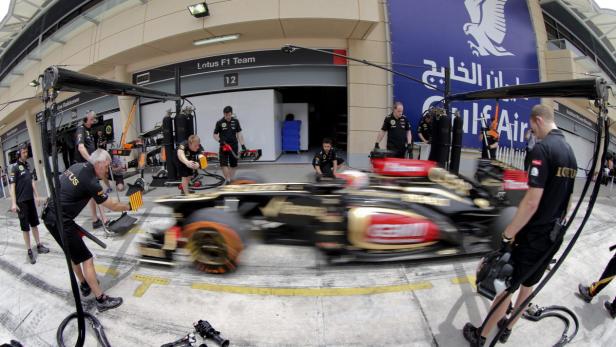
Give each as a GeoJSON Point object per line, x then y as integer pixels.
{"type": "Point", "coordinates": [215, 239]}
{"type": "Point", "coordinates": [247, 178]}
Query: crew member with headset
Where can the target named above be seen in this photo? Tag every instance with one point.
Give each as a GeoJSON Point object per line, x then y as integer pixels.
{"type": "Point", "coordinates": [587, 293]}
{"type": "Point", "coordinates": [398, 130]}
{"type": "Point", "coordinates": [79, 184]}
{"type": "Point", "coordinates": [85, 146]}
{"type": "Point", "coordinates": [188, 156]}
{"type": "Point", "coordinates": [24, 198]}
{"type": "Point", "coordinates": [326, 163]}
{"type": "Point", "coordinates": [228, 132]}
{"type": "Point", "coordinates": [533, 236]}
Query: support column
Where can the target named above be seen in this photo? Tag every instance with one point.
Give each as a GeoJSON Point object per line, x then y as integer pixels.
{"type": "Point", "coordinates": [125, 103]}
{"type": "Point", "coordinates": [34, 133]}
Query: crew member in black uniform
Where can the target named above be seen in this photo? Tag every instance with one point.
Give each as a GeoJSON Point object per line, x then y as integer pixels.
{"type": "Point", "coordinates": [24, 198]}
{"type": "Point", "coordinates": [85, 145]}
{"type": "Point", "coordinates": [229, 132]}
{"type": "Point", "coordinates": [398, 130]}
{"type": "Point", "coordinates": [589, 292]}
{"type": "Point", "coordinates": [78, 185]}
{"type": "Point", "coordinates": [425, 129]}
{"type": "Point", "coordinates": [326, 162]}
{"type": "Point", "coordinates": [533, 235]}
{"type": "Point", "coordinates": [188, 156]}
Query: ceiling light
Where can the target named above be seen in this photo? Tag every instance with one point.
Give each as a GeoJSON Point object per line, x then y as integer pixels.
{"type": "Point", "coordinates": [199, 10]}
{"type": "Point", "coordinates": [216, 39]}
{"type": "Point", "coordinates": [34, 83]}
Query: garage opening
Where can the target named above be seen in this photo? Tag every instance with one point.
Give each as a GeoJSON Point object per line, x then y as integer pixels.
{"type": "Point", "coordinates": [323, 112]}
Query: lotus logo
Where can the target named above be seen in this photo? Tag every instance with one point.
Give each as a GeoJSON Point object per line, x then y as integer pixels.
{"type": "Point", "coordinates": [487, 27]}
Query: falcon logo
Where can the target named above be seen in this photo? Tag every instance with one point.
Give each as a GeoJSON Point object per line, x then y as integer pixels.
{"type": "Point", "coordinates": [487, 27]}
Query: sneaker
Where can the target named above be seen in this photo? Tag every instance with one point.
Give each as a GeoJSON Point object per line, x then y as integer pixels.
{"type": "Point", "coordinates": [584, 292]}
{"type": "Point", "coordinates": [471, 334]}
{"type": "Point", "coordinates": [85, 289]}
{"type": "Point", "coordinates": [31, 256]}
{"type": "Point", "coordinates": [506, 333]}
{"type": "Point", "coordinates": [40, 249]}
{"type": "Point", "coordinates": [610, 308]}
{"type": "Point", "coordinates": [97, 224]}
{"type": "Point", "coordinates": [106, 302]}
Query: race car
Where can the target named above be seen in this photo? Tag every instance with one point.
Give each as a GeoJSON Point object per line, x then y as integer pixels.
{"type": "Point", "coordinates": [354, 218]}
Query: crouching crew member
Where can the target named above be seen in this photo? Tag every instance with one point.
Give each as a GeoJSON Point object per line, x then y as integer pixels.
{"type": "Point", "coordinates": [78, 185]}
{"type": "Point", "coordinates": [325, 162]}
{"type": "Point", "coordinates": [23, 201]}
{"type": "Point", "coordinates": [188, 155]}
{"type": "Point", "coordinates": [534, 234]}
{"type": "Point", "coordinates": [398, 130]}
{"type": "Point", "coordinates": [589, 292]}
{"type": "Point", "coordinates": [228, 132]}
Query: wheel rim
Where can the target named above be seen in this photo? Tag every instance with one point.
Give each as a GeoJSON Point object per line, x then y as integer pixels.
{"type": "Point", "coordinates": [208, 247]}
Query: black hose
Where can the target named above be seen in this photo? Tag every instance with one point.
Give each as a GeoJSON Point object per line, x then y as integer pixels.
{"type": "Point", "coordinates": [96, 325]}
{"type": "Point", "coordinates": [220, 180]}
{"type": "Point", "coordinates": [602, 126]}
{"type": "Point", "coordinates": [54, 185]}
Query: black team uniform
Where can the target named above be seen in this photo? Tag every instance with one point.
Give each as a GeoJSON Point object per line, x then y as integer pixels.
{"type": "Point", "coordinates": [325, 161]}
{"type": "Point", "coordinates": [21, 176]}
{"type": "Point", "coordinates": [84, 136]}
{"type": "Point", "coordinates": [78, 185]}
{"type": "Point", "coordinates": [184, 170]}
{"type": "Point", "coordinates": [227, 131]}
{"type": "Point", "coordinates": [553, 168]}
{"type": "Point", "coordinates": [425, 128]}
{"type": "Point", "coordinates": [396, 134]}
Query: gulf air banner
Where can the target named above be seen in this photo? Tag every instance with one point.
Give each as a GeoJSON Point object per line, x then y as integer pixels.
{"type": "Point", "coordinates": [485, 43]}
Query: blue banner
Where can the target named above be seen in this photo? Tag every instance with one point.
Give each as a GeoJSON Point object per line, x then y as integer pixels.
{"type": "Point", "coordinates": [485, 43]}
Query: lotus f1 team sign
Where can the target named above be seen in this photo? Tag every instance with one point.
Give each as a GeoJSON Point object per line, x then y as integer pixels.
{"type": "Point", "coordinates": [485, 44]}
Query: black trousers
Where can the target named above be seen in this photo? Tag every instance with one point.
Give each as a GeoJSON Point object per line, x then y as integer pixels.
{"type": "Point", "coordinates": [608, 274]}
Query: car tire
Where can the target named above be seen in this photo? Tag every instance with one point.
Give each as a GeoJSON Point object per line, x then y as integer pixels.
{"type": "Point", "coordinates": [248, 178]}
{"type": "Point", "coordinates": [499, 225]}
{"type": "Point", "coordinates": [215, 239]}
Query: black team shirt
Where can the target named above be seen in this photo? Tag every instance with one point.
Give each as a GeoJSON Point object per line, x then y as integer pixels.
{"type": "Point", "coordinates": [22, 178]}
{"type": "Point", "coordinates": [396, 131]}
{"type": "Point", "coordinates": [553, 167]}
{"type": "Point", "coordinates": [84, 136]}
{"type": "Point", "coordinates": [78, 185]}
{"type": "Point", "coordinates": [190, 155]}
{"type": "Point", "coordinates": [323, 158]}
{"type": "Point", "coordinates": [228, 130]}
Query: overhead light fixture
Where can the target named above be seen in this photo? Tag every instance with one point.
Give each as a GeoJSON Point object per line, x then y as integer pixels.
{"type": "Point", "coordinates": [199, 10]}
{"type": "Point", "coordinates": [34, 83]}
{"type": "Point", "coordinates": [216, 39]}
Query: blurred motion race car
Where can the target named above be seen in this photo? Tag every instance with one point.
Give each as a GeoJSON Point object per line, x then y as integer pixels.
{"type": "Point", "coordinates": [407, 209]}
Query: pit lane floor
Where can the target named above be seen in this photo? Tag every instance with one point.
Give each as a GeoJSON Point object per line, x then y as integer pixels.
{"type": "Point", "coordinates": [286, 295]}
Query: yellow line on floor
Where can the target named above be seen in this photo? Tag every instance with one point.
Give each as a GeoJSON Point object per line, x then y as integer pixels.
{"type": "Point", "coordinates": [470, 279]}
{"type": "Point", "coordinates": [248, 290]}
{"type": "Point", "coordinates": [106, 270]}
{"type": "Point", "coordinates": [147, 281]}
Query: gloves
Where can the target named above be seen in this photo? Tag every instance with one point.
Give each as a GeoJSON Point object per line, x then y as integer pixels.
{"type": "Point", "coordinates": [244, 148]}
{"type": "Point", "coordinates": [376, 145]}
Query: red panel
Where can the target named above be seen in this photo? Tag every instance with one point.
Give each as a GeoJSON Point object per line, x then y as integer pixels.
{"type": "Point", "coordinates": [386, 228]}
{"type": "Point", "coordinates": [402, 167]}
{"type": "Point", "coordinates": [340, 60]}
{"type": "Point", "coordinates": [515, 180]}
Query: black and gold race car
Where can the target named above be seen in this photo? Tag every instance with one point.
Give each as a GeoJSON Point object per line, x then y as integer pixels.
{"type": "Point", "coordinates": [406, 209]}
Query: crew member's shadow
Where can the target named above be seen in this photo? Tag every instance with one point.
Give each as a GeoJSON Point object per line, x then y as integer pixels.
{"type": "Point", "coordinates": [450, 335]}
{"type": "Point", "coordinates": [592, 315]}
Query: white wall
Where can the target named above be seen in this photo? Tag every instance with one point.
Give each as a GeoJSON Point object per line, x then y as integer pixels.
{"type": "Point", "coordinates": [153, 114]}
{"type": "Point", "coordinates": [583, 150]}
{"type": "Point", "coordinates": [300, 110]}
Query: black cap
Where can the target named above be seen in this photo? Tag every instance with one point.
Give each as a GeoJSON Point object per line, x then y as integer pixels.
{"type": "Point", "coordinates": [227, 109]}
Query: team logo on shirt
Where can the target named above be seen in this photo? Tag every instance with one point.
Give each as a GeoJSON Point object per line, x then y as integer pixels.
{"type": "Point", "coordinates": [537, 162]}
{"type": "Point", "coordinates": [21, 168]}
{"type": "Point", "coordinates": [534, 172]}
{"type": "Point", "coordinates": [392, 122]}
{"type": "Point", "coordinates": [224, 125]}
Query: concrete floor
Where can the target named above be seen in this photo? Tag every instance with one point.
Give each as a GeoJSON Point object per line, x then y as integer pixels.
{"type": "Point", "coordinates": [287, 295]}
